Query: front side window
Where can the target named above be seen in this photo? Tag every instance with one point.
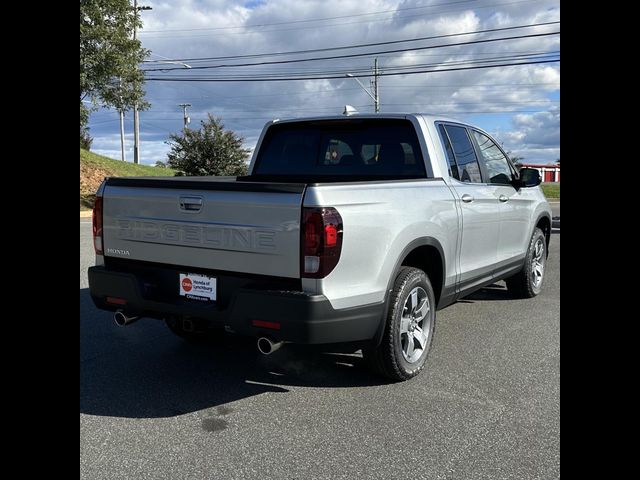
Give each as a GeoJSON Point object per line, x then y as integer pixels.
{"type": "Point", "coordinates": [495, 163]}
{"type": "Point", "coordinates": [465, 155]}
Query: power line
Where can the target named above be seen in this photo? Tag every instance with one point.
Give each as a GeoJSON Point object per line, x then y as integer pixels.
{"type": "Point", "coordinates": [159, 35]}
{"type": "Point", "coordinates": [260, 79]}
{"type": "Point", "coordinates": [439, 112]}
{"type": "Point", "coordinates": [517, 86]}
{"type": "Point", "coordinates": [416, 104]}
{"type": "Point", "coordinates": [537, 56]}
{"type": "Point", "coordinates": [461, 85]}
{"type": "Point", "coordinates": [367, 69]}
{"type": "Point", "coordinates": [308, 20]}
{"type": "Point", "coordinates": [348, 47]}
{"type": "Point", "coordinates": [354, 55]}
{"type": "Point", "coordinates": [105, 121]}
{"type": "Point", "coordinates": [522, 102]}
{"type": "Point", "coordinates": [146, 122]}
{"type": "Point", "coordinates": [467, 54]}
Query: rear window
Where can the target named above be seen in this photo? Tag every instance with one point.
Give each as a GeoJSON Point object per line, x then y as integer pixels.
{"type": "Point", "coordinates": [344, 149]}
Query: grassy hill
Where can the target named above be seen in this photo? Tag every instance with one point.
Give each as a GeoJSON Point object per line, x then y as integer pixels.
{"type": "Point", "coordinates": [551, 190]}
{"type": "Point", "coordinates": [94, 167]}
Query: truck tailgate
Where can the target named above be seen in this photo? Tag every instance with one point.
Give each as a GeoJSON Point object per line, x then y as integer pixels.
{"type": "Point", "coordinates": [203, 222]}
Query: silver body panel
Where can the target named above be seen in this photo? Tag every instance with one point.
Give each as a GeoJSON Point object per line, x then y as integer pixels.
{"type": "Point", "coordinates": [238, 231]}
{"type": "Point", "coordinates": [380, 220]}
{"type": "Point", "coordinates": [259, 232]}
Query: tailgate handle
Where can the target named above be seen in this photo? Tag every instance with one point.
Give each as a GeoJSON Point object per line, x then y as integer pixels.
{"type": "Point", "coordinates": [191, 204]}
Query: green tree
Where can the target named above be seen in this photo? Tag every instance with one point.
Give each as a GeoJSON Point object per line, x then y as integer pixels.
{"type": "Point", "coordinates": [109, 57]}
{"type": "Point", "coordinates": [85, 138]}
{"type": "Point", "coordinates": [210, 150]}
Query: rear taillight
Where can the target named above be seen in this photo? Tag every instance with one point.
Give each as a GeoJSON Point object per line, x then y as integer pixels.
{"type": "Point", "coordinates": [97, 225]}
{"type": "Point", "coordinates": [321, 241]}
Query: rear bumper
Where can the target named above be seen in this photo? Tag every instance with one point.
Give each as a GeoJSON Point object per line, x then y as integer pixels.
{"type": "Point", "coordinates": [303, 318]}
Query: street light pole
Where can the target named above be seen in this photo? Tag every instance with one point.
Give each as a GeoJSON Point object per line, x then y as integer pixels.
{"type": "Point", "coordinates": [168, 60]}
{"type": "Point", "coordinates": [374, 86]}
{"type": "Point", "coordinates": [136, 120]}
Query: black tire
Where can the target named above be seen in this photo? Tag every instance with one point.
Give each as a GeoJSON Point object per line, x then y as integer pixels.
{"type": "Point", "coordinates": [201, 332]}
{"type": "Point", "coordinates": [388, 358]}
{"type": "Point", "coordinates": [523, 284]}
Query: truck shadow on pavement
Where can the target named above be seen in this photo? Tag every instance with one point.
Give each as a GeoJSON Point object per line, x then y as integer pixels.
{"type": "Point", "coordinates": [144, 371]}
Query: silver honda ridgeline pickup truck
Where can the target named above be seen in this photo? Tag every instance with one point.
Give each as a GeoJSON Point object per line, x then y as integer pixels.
{"type": "Point", "coordinates": [346, 230]}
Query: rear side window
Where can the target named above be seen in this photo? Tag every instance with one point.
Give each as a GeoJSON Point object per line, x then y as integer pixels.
{"type": "Point", "coordinates": [495, 162]}
{"type": "Point", "coordinates": [342, 148]}
{"type": "Point", "coordinates": [465, 155]}
{"type": "Point", "coordinates": [453, 167]}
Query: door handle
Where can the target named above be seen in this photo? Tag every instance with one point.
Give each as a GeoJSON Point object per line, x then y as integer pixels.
{"type": "Point", "coordinates": [503, 198]}
{"type": "Point", "coordinates": [191, 204]}
{"type": "Point", "coordinates": [466, 198]}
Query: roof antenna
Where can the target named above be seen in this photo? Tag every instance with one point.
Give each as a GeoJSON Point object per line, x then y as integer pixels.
{"type": "Point", "coordinates": [349, 110]}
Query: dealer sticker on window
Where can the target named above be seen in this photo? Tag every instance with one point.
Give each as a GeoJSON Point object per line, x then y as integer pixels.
{"type": "Point", "coordinates": [198, 287]}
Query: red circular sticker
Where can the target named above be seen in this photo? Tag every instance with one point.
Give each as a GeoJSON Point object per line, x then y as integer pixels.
{"type": "Point", "coordinates": [186, 284]}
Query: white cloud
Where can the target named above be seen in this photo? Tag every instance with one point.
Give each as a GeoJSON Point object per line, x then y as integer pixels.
{"type": "Point", "coordinates": [536, 137]}
{"type": "Point", "coordinates": [245, 107]}
{"type": "Point", "coordinates": [540, 129]}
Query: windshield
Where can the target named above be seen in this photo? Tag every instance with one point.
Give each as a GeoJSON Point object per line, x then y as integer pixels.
{"type": "Point", "coordinates": [361, 148]}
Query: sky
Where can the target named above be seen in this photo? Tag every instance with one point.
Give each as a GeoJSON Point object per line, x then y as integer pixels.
{"type": "Point", "coordinates": [518, 105]}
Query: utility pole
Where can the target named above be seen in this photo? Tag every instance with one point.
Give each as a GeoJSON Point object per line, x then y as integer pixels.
{"type": "Point", "coordinates": [373, 84]}
{"type": "Point", "coordinates": [121, 111]}
{"type": "Point", "coordinates": [186, 118]}
{"type": "Point", "coordinates": [122, 135]}
{"type": "Point", "coordinates": [136, 120]}
{"type": "Point", "coordinates": [376, 98]}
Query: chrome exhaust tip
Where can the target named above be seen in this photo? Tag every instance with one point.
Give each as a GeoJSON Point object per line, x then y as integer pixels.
{"type": "Point", "coordinates": [266, 346]}
{"type": "Point", "coordinates": [122, 320]}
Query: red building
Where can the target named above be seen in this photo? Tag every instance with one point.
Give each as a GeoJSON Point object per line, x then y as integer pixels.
{"type": "Point", "coordinates": [548, 172]}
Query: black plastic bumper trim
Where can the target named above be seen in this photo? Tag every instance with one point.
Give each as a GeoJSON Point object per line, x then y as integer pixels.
{"type": "Point", "coordinates": [304, 318]}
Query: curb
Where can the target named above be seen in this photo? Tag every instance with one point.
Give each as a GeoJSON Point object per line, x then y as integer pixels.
{"type": "Point", "coordinates": [85, 214]}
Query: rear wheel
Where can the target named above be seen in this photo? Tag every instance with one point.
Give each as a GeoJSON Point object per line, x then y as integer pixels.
{"type": "Point", "coordinates": [527, 283]}
{"type": "Point", "coordinates": [409, 328]}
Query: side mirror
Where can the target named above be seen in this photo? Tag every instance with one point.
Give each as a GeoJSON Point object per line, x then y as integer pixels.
{"type": "Point", "coordinates": [529, 177]}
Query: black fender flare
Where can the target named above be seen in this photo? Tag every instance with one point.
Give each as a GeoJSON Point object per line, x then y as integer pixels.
{"type": "Point", "coordinates": [418, 242]}
{"type": "Point", "coordinates": [540, 217]}
{"type": "Point", "coordinates": [535, 224]}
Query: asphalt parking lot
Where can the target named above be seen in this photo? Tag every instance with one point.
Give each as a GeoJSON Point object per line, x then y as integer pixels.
{"type": "Point", "coordinates": [487, 406]}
